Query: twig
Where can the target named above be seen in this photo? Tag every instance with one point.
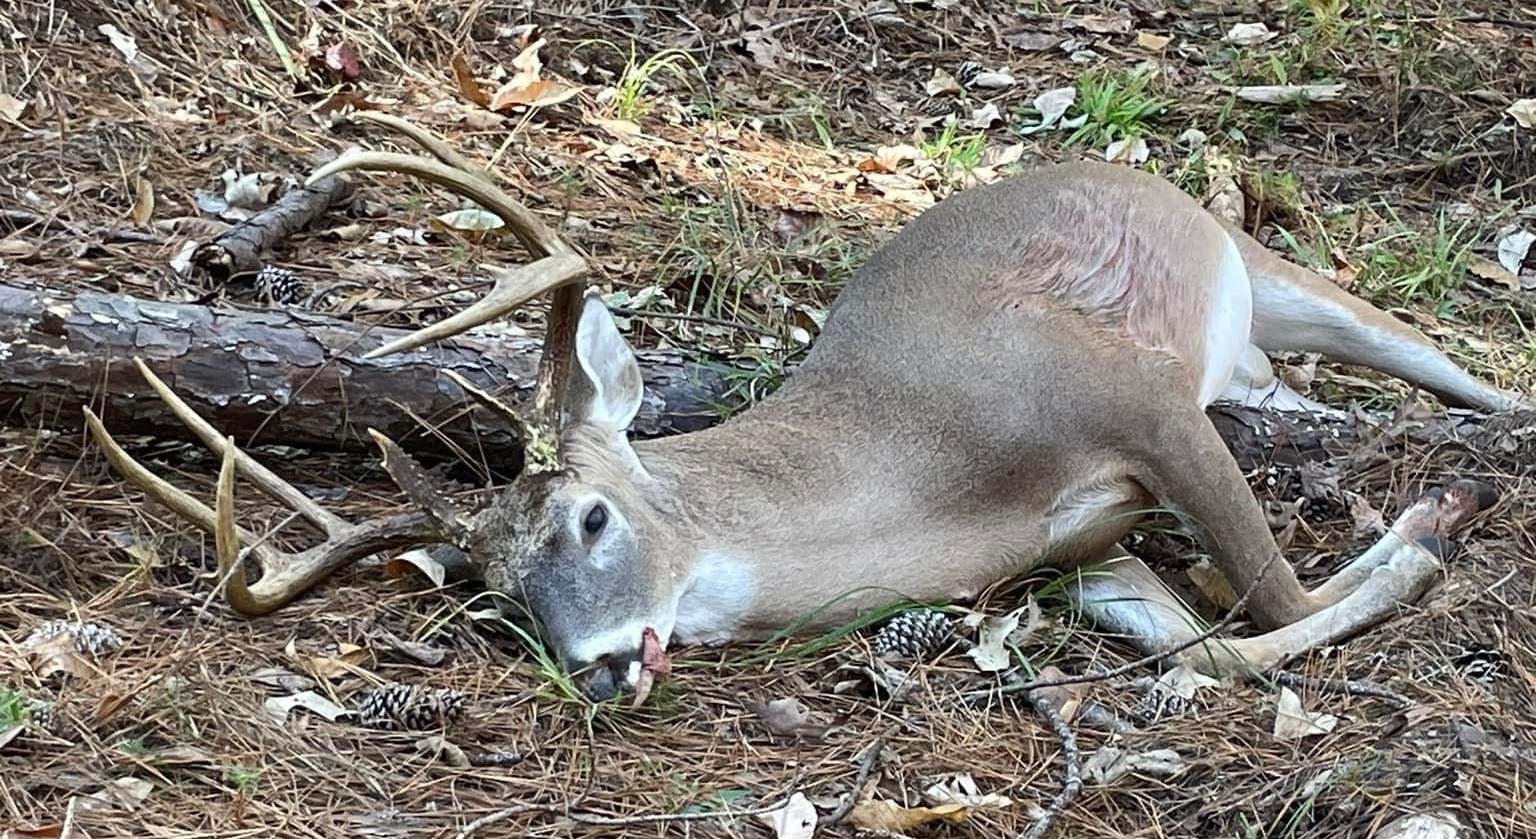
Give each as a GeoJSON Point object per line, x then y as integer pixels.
{"type": "Point", "coordinates": [616, 821]}
{"type": "Point", "coordinates": [1350, 687]}
{"type": "Point", "coordinates": [1072, 770]}
{"type": "Point", "coordinates": [497, 817]}
{"type": "Point", "coordinates": [867, 763]}
{"type": "Point", "coordinates": [1115, 672]}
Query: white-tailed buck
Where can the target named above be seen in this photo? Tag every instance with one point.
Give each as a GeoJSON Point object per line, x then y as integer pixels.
{"type": "Point", "coordinates": [1007, 383]}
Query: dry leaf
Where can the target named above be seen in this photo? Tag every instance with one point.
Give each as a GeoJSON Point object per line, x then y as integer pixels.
{"type": "Point", "coordinates": [469, 219]}
{"type": "Point", "coordinates": [279, 707]}
{"type": "Point", "coordinates": [1212, 585]}
{"type": "Point", "coordinates": [891, 159]}
{"type": "Point", "coordinates": [121, 41]}
{"type": "Point", "coordinates": [1422, 826]}
{"type": "Point", "coordinates": [795, 820]}
{"type": "Point", "coordinates": [10, 732]}
{"type": "Point", "coordinates": [1292, 722]}
{"type": "Point", "coordinates": [942, 83]}
{"type": "Point", "coordinates": [143, 202]}
{"type": "Point", "coordinates": [469, 87]}
{"type": "Point", "coordinates": [984, 117]}
{"type": "Point", "coordinates": [1486, 269]}
{"type": "Point", "coordinates": [1052, 105]}
{"type": "Point", "coordinates": [654, 661]}
{"type": "Point", "coordinates": [1152, 41]}
{"type": "Point", "coordinates": [994, 80]}
{"type": "Point", "coordinates": [439, 747]}
{"type": "Point", "coordinates": [345, 662]}
{"type": "Point", "coordinates": [1032, 41]}
{"type": "Point", "coordinates": [540, 94]}
{"type": "Point", "coordinates": [787, 717]}
{"type": "Point", "coordinates": [1248, 34]}
{"type": "Point", "coordinates": [420, 560]}
{"type": "Point", "coordinates": [991, 652]}
{"type": "Point", "coordinates": [1173, 693]}
{"type": "Point", "coordinates": [763, 47]}
{"type": "Point", "coordinates": [962, 790]}
{"type": "Point", "coordinates": [1524, 112]}
{"type": "Point", "coordinates": [17, 248]}
{"type": "Point", "coordinates": [1133, 151]}
{"type": "Point", "coordinates": [413, 650]}
{"type": "Point", "coordinates": [1110, 763]}
{"type": "Point", "coordinates": [57, 656]}
{"type": "Point", "coordinates": [894, 818]}
{"type": "Point", "coordinates": [47, 831]}
{"type": "Point", "coordinates": [341, 59]}
{"type": "Point", "coordinates": [1066, 699]}
{"type": "Point", "coordinates": [526, 88]}
{"type": "Point", "coordinates": [1368, 520]}
{"type": "Point", "coordinates": [1514, 249]}
{"type": "Point", "coordinates": [182, 757]}
{"type": "Point", "coordinates": [619, 128]}
{"type": "Point", "coordinates": [12, 108]}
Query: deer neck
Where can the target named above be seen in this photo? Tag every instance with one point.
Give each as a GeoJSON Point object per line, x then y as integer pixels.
{"type": "Point", "coordinates": [798, 507]}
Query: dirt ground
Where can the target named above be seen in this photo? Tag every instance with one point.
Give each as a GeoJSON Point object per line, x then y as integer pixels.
{"type": "Point", "coordinates": [726, 169]}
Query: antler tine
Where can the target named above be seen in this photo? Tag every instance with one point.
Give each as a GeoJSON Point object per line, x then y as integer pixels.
{"type": "Point", "coordinates": [559, 270]}
{"type": "Point", "coordinates": [284, 575]}
{"type": "Point", "coordinates": [416, 134]}
{"type": "Point", "coordinates": [559, 264]}
{"type": "Point", "coordinates": [264, 479]}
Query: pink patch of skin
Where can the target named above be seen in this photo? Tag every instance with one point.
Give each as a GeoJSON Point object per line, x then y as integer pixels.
{"type": "Point", "coordinates": [653, 660]}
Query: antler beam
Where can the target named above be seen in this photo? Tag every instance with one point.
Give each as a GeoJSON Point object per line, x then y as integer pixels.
{"type": "Point", "coordinates": [284, 575]}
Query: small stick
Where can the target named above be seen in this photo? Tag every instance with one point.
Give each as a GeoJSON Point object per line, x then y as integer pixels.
{"type": "Point", "coordinates": [1072, 771]}
{"type": "Point", "coordinates": [867, 764]}
{"type": "Point", "coordinates": [497, 817]}
{"type": "Point", "coordinates": [1350, 687]}
{"type": "Point", "coordinates": [615, 821]}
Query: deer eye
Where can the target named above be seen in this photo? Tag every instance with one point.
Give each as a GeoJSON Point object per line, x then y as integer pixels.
{"type": "Point", "coordinates": [596, 518]}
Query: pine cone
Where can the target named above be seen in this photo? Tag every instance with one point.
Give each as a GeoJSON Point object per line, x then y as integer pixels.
{"type": "Point", "coordinates": [967, 72]}
{"type": "Point", "coordinates": [45, 716]}
{"type": "Point", "coordinates": [917, 634]}
{"type": "Point", "coordinates": [409, 707]}
{"type": "Point", "coordinates": [278, 285]}
{"type": "Point", "coordinates": [90, 638]}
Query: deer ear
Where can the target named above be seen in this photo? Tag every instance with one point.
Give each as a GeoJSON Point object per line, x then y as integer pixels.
{"type": "Point", "coordinates": [605, 386]}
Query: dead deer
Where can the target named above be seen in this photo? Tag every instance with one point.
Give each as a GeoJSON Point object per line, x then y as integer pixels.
{"type": "Point", "coordinates": [1008, 383]}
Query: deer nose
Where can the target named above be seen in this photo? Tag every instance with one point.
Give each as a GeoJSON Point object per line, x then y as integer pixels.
{"type": "Point", "coordinates": [609, 675]}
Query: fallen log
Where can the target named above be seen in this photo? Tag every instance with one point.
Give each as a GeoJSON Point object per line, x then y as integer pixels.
{"type": "Point", "coordinates": [300, 380]}
{"type": "Point", "coordinates": [289, 378]}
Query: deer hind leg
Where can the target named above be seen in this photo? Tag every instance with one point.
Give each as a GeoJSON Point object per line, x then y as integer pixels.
{"type": "Point", "coordinates": [1188, 468]}
{"type": "Point", "coordinates": [1254, 384]}
{"type": "Point", "coordinates": [1125, 596]}
{"type": "Point", "coordinates": [1297, 310]}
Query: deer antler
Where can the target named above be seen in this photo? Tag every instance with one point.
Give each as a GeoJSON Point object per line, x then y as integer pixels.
{"type": "Point", "coordinates": [558, 269]}
{"type": "Point", "coordinates": [284, 575]}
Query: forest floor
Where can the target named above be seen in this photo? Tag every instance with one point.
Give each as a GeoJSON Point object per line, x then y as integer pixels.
{"type": "Point", "coordinates": [725, 171]}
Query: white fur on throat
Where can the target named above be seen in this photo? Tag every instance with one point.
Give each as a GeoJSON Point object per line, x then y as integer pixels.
{"type": "Point", "coordinates": [713, 600]}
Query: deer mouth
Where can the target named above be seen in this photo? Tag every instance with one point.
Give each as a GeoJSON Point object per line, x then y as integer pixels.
{"type": "Point", "coordinates": [653, 662]}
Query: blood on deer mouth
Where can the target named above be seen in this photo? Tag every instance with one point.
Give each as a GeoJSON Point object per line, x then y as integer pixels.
{"type": "Point", "coordinates": [653, 661]}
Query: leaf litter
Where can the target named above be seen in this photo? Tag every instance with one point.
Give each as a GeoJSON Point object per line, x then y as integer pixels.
{"type": "Point", "coordinates": [776, 173]}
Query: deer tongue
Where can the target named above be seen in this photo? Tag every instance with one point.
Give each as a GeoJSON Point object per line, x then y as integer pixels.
{"type": "Point", "coordinates": [653, 660]}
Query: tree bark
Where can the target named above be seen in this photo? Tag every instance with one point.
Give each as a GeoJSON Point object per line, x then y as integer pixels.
{"type": "Point", "coordinates": [288, 378]}
{"type": "Point", "coordinates": [300, 380]}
